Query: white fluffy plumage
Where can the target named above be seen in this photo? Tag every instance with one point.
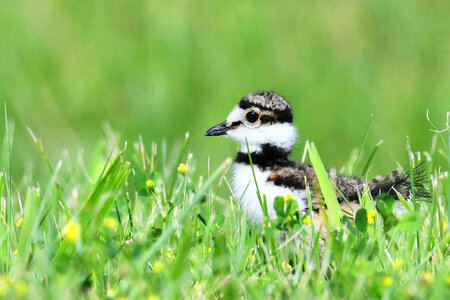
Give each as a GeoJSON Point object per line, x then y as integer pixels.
{"type": "Point", "coordinates": [244, 188]}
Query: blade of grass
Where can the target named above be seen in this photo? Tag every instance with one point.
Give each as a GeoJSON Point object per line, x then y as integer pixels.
{"type": "Point", "coordinates": [261, 202]}
{"type": "Point", "coordinates": [180, 158]}
{"type": "Point", "coordinates": [9, 212]}
{"type": "Point", "coordinates": [334, 211]}
{"type": "Point", "coordinates": [314, 234]}
{"type": "Point", "coordinates": [40, 147]}
{"type": "Point", "coordinates": [362, 145]}
{"type": "Point", "coordinates": [411, 172]}
{"type": "Point", "coordinates": [371, 156]}
{"type": "Point", "coordinates": [29, 219]}
{"type": "Point", "coordinates": [413, 189]}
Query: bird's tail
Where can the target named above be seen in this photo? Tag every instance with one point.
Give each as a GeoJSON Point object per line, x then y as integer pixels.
{"type": "Point", "coordinates": [400, 181]}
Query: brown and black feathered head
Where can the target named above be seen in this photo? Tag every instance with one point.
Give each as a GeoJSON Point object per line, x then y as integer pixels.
{"type": "Point", "coordinates": [275, 107]}
{"type": "Point", "coordinates": [261, 118]}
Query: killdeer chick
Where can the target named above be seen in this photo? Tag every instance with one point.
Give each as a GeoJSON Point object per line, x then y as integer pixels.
{"type": "Point", "coordinates": [264, 120]}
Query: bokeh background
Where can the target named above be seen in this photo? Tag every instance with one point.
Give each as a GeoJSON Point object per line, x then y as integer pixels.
{"type": "Point", "coordinates": [161, 68]}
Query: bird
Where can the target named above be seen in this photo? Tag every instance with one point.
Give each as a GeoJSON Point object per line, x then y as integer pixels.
{"type": "Point", "coordinates": [262, 124]}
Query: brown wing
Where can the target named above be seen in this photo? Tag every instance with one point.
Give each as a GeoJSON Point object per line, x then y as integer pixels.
{"type": "Point", "coordinates": [294, 177]}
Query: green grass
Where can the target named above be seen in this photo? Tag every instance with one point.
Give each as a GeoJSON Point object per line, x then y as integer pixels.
{"type": "Point", "coordinates": [117, 224]}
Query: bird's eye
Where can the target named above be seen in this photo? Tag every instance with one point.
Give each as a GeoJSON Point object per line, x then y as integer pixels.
{"type": "Point", "coordinates": [252, 117]}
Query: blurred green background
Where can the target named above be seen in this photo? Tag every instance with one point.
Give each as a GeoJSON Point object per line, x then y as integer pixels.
{"type": "Point", "coordinates": [161, 68]}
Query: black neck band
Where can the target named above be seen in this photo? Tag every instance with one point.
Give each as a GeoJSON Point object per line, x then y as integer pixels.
{"type": "Point", "coordinates": [268, 157]}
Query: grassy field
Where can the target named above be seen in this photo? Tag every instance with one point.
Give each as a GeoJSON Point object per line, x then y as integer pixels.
{"type": "Point", "coordinates": [118, 225]}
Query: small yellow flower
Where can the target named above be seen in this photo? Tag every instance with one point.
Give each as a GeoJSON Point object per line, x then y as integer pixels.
{"type": "Point", "coordinates": [20, 222]}
{"type": "Point", "coordinates": [110, 293]}
{"type": "Point", "coordinates": [288, 197]}
{"type": "Point", "coordinates": [209, 250]}
{"type": "Point", "coordinates": [286, 267]}
{"type": "Point", "coordinates": [398, 263]}
{"type": "Point", "coordinates": [427, 277]}
{"type": "Point", "coordinates": [150, 183]}
{"type": "Point", "coordinates": [20, 288]}
{"type": "Point", "coordinates": [170, 255]}
{"type": "Point", "coordinates": [307, 221]}
{"type": "Point", "coordinates": [153, 297]}
{"type": "Point", "coordinates": [15, 252]}
{"type": "Point", "coordinates": [72, 231]}
{"type": "Point", "coordinates": [444, 225]}
{"type": "Point", "coordinates": [158, 267]}
{"type": "Point", "coordinates": [182, 168]}
{"type": "Point", "coordinates": [371, 216]}
{"type": "Point", "coordinates": [111, 223]}
{"type": "Point", "coordinates": [387, 281]}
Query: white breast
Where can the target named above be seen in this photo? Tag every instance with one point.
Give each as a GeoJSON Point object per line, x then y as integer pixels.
{"type": "Point", "coordinates": [243, 177]}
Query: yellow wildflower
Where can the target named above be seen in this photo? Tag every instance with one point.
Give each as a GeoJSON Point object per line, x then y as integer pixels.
{"type": "Point", "coordinates": [153, 297]}
{"type": "Point", "coordinates": [307, 221]}
{"type": "Point", "coordinates": [444, 225]}
{"type": "Point", "coordinates": [158, 267]}
{"type": "Point", "coordinates": [150, 183]}
{"type": "Point", "coordinates": [72, 231]}
{"type": "Point", "coordinates": [427, 277]}
{"type": "Point", "coordinates": [398, 263]}
{"type": "Point", "coordinates": [387, 281]}
{"type": "Point", "coordinates": [15, 252]}
{"type": "Point", "coordinates": [286, 266]}
{"type": "Point", "coordinates": [182, 168]}
{"type": "Point", "coordinates": [170, 255]}
{"type": "Point", "coordinates": [20, 222]}
{"type": "Point", "coordinates": [111, 223]}
{"type": "Point", "coordinates": [110, 293]}
{"type": "Point", "coordinates": [209, 250]}
{"type": "Point", "coordinates": [371, 216]}
{"type": "Point", "coordinates": [288, 197]}
{"type": "Point", "coordinates": [20, 288]}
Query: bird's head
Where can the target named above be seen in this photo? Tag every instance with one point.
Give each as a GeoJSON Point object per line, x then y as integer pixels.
{"type": "Point", "coordinates": [261, 118]}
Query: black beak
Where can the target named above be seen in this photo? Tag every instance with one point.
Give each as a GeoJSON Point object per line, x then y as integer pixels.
{"type": "Point", "coordinates": [219, 129]}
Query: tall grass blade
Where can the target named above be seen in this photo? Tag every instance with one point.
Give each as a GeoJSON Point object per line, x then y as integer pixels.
{"type": "Point", "coordinates": [261, 201]}
{"type": "Point", "coordinates": [411, 173]}
{"type": "Point", "coordinates": [29, 220]}
{"type": "Point", "coordinates": [362, 146]}
{"type": "Point", "coordinates": [180, 158]}
{"type": "Point", "coordinates": [334, 211]}
{"type": "Point", "coordinates": [371, 156]}
{"type": "Point", "coordinates": [9, 207]}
